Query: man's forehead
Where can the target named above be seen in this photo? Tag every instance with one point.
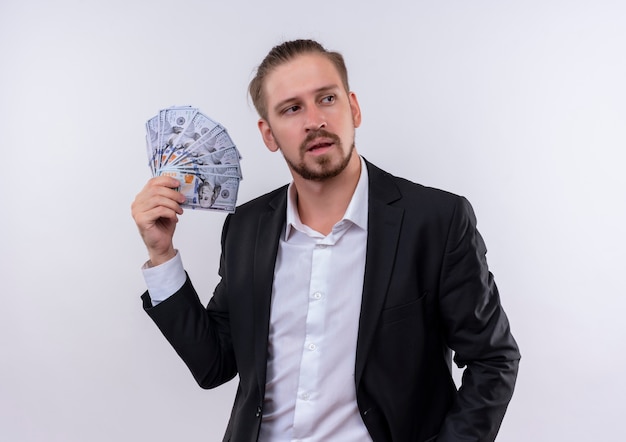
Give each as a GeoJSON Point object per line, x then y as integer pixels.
{"type": "Point", "coordinates": [304, 73]}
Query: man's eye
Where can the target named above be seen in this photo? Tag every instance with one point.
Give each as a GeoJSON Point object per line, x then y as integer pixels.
{"type": "Point", "coordinates": [328, 99]}
{"type": "Point", "coordinates": [291, 109]}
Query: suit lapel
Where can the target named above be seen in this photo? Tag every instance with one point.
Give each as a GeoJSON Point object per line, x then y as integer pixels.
{"type": "Point", "coordinates": [383, 232]}
{"type": "Point", "coordinates": [271, 226]}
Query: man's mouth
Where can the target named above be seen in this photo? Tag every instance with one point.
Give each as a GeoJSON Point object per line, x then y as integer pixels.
{"type": "Point", "coordinates": [319, 145]}
{"type": "Point", "coordinates": [319, 142]}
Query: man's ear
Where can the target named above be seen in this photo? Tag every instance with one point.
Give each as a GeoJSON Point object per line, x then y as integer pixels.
{"type": "Point", "coordinates": [267, 135]}
{"type": "Point", "coordinates": [355, 108]}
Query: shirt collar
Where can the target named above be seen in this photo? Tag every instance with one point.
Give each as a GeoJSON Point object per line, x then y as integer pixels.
{"type": "Point", "coordinates": [355, 213]}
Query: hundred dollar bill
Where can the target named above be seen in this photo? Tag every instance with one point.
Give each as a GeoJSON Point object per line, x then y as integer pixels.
{"type": "Point", "coordinates": [175, 130]}
{"type": "Point", "coordinates": [206, 191]}
{"type": "Point", "coordinates": [152, 140]}
{"type": "Point", "coordinates": [229, 156]}
{"type": "Point", "coordinates": [203, 124]}
{"type": "Point", "coordinates": [185, 154]}
{"type": "Point", "coordinates": [198, 126]}
{"type": "Point", "coordinates": [223, 141]}
{"type": "Point", "coordinates": [211, 141]}
{"type": "Point", "coordinates": [188, 182]}
{"type": "Point", "coordinates": [197, 151]}
{"type": "Point", "coordinates": [215, 192]}
{"type": "Point", "coordinates": [204, 169]}
{"type": "Point", "coordinates": [200, 148]}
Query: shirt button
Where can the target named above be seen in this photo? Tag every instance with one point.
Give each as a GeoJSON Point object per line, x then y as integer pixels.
{"type": "Point", "coordinates": [304, 396]}
{"type": "Point", "coordinates": [312, 347]}
{"type": "Point", "coordinates": [317, 295]}
{"type": "Point", "coordinates": [321, 246]}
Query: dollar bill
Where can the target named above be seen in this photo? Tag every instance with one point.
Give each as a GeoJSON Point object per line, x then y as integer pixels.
{"type": "Point", "coordinates": [196, 150]}
{"type": "Point", "coordinates": [203, 169]}
{"type": "Point", "coordinates": [175, 130]}
{"type": "Point", "coordinates": [206, 191]}
{"type": "Point", "coordinates": [215, 192]}
{"type": "Point", "coordinates": [211, 141]}
{"type": "Point", "coordinates": [198, 126]}
{"type": "Point", "coordinates": [152, 141]}
{"type": "Point", "coordinates": [228, 157]}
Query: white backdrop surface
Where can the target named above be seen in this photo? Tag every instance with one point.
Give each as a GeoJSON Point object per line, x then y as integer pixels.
{"type": "Point", "coordinates": [520, 106]}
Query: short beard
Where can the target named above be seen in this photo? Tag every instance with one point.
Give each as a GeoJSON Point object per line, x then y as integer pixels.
{"type": "Point", "coordinates": [327, 170]}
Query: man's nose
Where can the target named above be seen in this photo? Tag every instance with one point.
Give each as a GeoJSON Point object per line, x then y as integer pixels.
{"type": "Point", "coordinates": [315, 119]}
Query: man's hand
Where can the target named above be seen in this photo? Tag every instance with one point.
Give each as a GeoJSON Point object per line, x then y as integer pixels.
{"type": "Point", "coordinates": [155, 211]}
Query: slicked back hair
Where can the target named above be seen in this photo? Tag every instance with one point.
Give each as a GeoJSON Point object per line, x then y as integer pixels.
{"type": "Point", "coordinates": [282, 54]}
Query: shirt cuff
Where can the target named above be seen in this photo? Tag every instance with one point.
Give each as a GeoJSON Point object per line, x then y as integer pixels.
{"type": "Point", "coordinates": [165, 279]}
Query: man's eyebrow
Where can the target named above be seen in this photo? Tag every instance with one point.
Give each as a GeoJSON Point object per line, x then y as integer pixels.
{"type": "Point", "coordinates": [320, 90]}
{"type": "Point", "coordinates": [328, 88]}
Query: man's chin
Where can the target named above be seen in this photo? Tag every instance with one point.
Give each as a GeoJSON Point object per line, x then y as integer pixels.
{"type": "Point", "coordinates": [320, 169]}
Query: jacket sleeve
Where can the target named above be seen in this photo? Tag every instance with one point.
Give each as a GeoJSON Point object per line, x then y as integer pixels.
{"type": "Point", "coordinates": [200, 336]}
{"type": "Point", "coordinates": [477, 330]}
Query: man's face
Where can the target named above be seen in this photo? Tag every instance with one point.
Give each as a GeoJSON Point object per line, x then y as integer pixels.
{"type": "Point", "coordinates": [310, 117]}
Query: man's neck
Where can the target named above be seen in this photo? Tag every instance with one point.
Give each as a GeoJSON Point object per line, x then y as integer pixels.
{"type": "Point", "coordinates": [321, 204]}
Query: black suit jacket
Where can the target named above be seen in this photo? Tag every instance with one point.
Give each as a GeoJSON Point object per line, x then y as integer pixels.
{"type": "Point", "coordinates": [427, 289]}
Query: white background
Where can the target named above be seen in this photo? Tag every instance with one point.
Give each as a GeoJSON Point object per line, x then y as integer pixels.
{"type": "Point", "coordinates": [519, 106]}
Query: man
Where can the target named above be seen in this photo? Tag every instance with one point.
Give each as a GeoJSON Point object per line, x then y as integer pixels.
{"type": "Point", "coordinates": [342, 294]}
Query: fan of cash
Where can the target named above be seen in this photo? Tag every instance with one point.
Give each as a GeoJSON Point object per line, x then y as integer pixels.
{"type": "Point", "coordinates": [187, 145]}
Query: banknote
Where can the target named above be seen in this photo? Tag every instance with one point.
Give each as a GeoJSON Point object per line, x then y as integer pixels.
{"type": "Point", "coordinates": [176, 130]}
{"type": "Point", "coordinates": [204, 169]}
{"type": "Point", "coordinates": [206, 191]}
{"type": "Point", "coordinates": [216, 192]}
{"type": "Point", "coordinates": [198, 126]}
{"type": "Point", "coordinates": [184, 143]}
{"type": "Point", "coordinates": [203, 144]}
{"type": "Point", "coordinates": [152, 141]}
{"type": "Point", "coordinates": [229, 156]}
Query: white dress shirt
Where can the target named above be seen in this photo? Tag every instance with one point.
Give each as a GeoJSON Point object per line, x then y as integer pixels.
{"type": "Point", "coordinates": [310, 390]}
{"type": "Point", "coordinates": [316, 301]}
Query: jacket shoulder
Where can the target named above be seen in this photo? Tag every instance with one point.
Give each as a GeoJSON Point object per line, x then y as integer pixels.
{"type": "Point", "coordinates": [401, 192]}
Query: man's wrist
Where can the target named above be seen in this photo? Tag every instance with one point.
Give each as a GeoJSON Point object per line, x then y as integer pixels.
{"type": "Point", "coordinates": [156, 259]}
{"type": "Point", "coordinates": [164, 280]}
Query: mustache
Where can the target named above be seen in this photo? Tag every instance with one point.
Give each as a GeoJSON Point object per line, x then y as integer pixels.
{"type": "Point", "coordinates": [319, 133]}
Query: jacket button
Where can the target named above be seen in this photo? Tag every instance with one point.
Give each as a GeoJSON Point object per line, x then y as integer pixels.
{"type": "Point", "coordinates": [258, 411]}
